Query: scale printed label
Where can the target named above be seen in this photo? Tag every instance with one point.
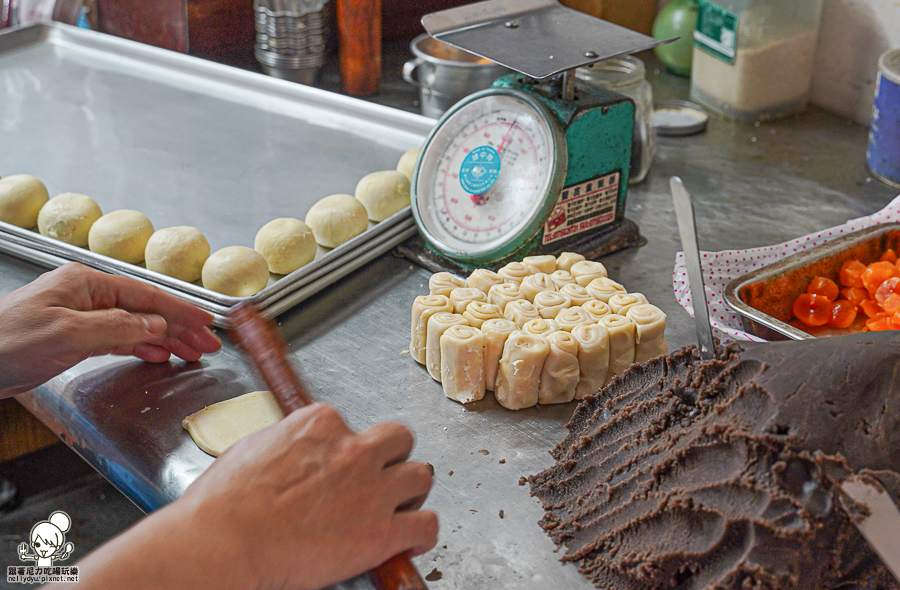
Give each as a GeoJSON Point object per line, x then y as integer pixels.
{"type": "Point", "coordinates": [716, 31]}
{"type": "Point", "coordinates": [583, 206]}
{"type": "Point", "coordinates": [479, 170]}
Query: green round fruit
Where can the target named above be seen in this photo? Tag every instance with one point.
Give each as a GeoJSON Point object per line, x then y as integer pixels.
{"type": "Point", "coordinates": [678, 19]}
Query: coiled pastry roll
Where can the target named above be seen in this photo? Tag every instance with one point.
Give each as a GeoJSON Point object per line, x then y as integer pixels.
{"type": "Point", "coordinates": [576, 293]}
{"type": "Point", "coordinates": [621, 343]}
{"type": "Point", "coordinates": [560, 374]}
{"type": "Point", "coordinates": [650, 331]}
{"type": "Point", "coordinates": [520, 311]}
{"type": "Point", "coordinates": [604, 288]}
{"type": "Point", "coordinates": [478, 312]}
{"type": "Point", "coordinates": [502, 294]}
{"type": "Point", "coordinates": [495, 334]}
{"type": "Point", "coordinates": [545, 264]}
{"type": "Point", "coordinates": [483, 279]}
{"type": "Point", "coordinates": [462, 363]}
{"type": "Point", "coordinates": [550, 303]}
{"type": "Point", "coordinates": [597, 309]}
{"type": "Point", "coordinates": [462, 296]}
{"type": "Point", "coordinates": [535, 284]}
{"type": "Point", "coordinates": [540, 327]}
{"type": "Point", "coordinates": [441, 283]}
{"type": "Point", "coordinates": [570, 317]}
{"type": "Point", "coordinates": [519, 376]}
{"type": "Point", "coordinates": [423, 308]}
{"type": "Point", "coordinates": [562, 278]}
{"type": "Point", "coordinates": [620, 302]}
{"type": "Point", "coordinates": [593, 358]}
{"type": "Point", "coordinates": [565, 260]}
{"type": "Point", "coordinates": [438, 323]}
{"type": "Point", "coordinates": [586, 271]}
{"type": "Point", "coordinates": [515, 272]}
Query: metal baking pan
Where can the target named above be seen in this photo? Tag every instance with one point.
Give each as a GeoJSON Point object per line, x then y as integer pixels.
{"type": "Point", "coordinates": [279, 296]}
{"type": "Point", "coordinates": [189, 142]}
{"type": "Point", "coordinates": [764, 297]}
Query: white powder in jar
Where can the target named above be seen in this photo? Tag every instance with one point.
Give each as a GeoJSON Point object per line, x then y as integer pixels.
{"type": "Point", "coordinates": [764, 79]}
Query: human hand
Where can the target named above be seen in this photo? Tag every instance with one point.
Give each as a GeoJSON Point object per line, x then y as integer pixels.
{"type": "Point", "coordinates": [308, 503]}
{"type": "Point", "coordinates": [302, 504]}
{"type": "Point", "coordinates": [73, 312]}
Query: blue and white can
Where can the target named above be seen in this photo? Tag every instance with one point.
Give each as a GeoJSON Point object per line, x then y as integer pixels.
{"type": "Point", "coordinates": [883, 153]}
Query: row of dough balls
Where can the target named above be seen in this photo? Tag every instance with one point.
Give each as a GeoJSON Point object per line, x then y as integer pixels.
{"type": "Point", "coordinates": [127, 235]}
{"type": "Point", "coordinates": [281, 246]}
{"type": "Point", "coordinates": [532, 336]}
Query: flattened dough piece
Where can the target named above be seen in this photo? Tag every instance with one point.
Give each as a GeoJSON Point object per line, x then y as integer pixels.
{"type": "Point", "coordinates": [336, 219]}
{"type": "Point", "coordinates": [217, 427]}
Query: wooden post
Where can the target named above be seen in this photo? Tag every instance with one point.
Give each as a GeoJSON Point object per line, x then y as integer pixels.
{"type": "Point", "coordinates": [359, 45]}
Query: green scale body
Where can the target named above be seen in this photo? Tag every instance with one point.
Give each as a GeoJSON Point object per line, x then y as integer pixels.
{"type": "Point", "coordinates": [598, 126]}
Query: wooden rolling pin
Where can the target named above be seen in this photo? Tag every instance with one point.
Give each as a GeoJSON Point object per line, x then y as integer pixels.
{"type": "Point", "coordinates": [359, 45]}
{"type": "Point", "coordinates": [261, 341]}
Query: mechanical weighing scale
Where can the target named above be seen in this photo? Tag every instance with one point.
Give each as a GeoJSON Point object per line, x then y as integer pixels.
{"type": "Point", "coordinates": [536, 164]}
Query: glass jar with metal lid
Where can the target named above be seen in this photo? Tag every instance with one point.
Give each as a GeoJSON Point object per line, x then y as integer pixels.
{"type": "Point", "coordinates": [627, 75]}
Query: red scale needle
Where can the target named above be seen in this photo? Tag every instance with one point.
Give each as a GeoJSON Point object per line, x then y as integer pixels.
{"type": "Point", "coordinates": [481, 199]}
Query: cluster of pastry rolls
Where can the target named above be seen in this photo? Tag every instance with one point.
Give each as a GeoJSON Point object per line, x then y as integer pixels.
{"type": "Point", "coordinates": [545, 330]}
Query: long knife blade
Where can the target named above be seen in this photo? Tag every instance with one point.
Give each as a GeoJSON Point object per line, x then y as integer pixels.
{"type": "Point", "coordinates": [687, 228]}
{"type": "Point", "coordinates": [880, 525]}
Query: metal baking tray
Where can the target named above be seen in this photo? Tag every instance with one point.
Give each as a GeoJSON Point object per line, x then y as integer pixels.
{"type": "Point", "coordinates": [764, 297]}
{"type": "Point", "coordinates": [189, 142]}
{"type": "Point", "coordinates": [281, 294]}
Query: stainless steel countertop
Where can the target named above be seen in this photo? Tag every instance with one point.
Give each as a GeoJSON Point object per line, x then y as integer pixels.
{"type": "Point", "coordinates": [752, 186]}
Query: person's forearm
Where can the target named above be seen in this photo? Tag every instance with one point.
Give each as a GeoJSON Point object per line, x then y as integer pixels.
{"type": "Point", "coordinates": [171, 549]}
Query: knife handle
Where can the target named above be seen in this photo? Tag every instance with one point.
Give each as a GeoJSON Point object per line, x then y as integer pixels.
{"type": "Point", "coordinates": [262, 342]}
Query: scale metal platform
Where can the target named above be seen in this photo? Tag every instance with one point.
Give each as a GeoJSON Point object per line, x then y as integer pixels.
{"type": "Point", "coordinates": [538, 163]}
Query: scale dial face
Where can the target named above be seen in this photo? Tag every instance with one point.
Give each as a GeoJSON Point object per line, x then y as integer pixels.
{"type": "Point", "coordinates": [489, 175]}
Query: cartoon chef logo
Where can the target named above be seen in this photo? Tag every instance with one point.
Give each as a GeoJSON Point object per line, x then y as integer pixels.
{"type": "Point", "coordinates": [48, 541]}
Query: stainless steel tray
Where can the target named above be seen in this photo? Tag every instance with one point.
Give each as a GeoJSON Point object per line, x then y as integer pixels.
{"type": "Point", "coordinates": [764, 297]}
{"type": "Point", "coordinates": [189, 142]}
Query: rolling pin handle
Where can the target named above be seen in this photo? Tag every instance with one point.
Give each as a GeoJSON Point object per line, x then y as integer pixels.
{"type": "Point", "coordinates": [262, 342]}
{"type": "Point", "coordinates": [397, 573]}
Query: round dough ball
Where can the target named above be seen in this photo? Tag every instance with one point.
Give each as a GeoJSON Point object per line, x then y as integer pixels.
{"type": "Point", "coordinates": [383, 193]}
{"type": "Point", "coordinates": [337, 218]}
{"type": "Point", "coordinates": [407, 164]}
{"type": "Point", "coordinates": [286, 244]}
{"type": "Point", "coordinates": [237, 271]}
{"type": "Point", "coordinates": [122, 235]}
{"type": "Point", "coordinates": [68, 217]}
{"type": "Point", "coordinates": [21, 199]}
{"type": "Point", "coordinates": [178, 252]}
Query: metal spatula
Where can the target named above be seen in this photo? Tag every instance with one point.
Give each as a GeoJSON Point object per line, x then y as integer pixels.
{"type": "Point", "coordinates": [687, 228]}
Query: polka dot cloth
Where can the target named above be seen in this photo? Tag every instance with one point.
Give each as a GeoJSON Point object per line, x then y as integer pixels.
{"type": "Point", "coordinates": [719, 268]}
